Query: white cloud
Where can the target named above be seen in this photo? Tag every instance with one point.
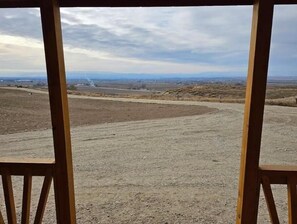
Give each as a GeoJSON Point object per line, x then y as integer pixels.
{"type": "Point", "coordinates": [20, 41]}
{"type": "Point", "coordinates": [30, 56]}
{"type": "Point", "coordinates": [152, 40]}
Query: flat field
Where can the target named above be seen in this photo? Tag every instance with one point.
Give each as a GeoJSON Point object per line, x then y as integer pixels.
{"type": "Point", "coordinates": [181, 168]}
{"type": "Point", "coordinates": [26, 110]}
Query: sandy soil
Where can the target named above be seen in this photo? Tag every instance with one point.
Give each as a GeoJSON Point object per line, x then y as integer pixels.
{"type": "Point", "coordinates": [171, 170]}
{"type": "Point", "coordinates": [26, 110]}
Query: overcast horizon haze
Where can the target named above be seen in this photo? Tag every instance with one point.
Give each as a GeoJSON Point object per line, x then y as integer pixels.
{"type": "Point", "coordinates": [167, 42]}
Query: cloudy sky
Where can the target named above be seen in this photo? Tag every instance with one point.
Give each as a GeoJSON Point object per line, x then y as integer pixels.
{"type": "Point", "coordinates": [176, 41]}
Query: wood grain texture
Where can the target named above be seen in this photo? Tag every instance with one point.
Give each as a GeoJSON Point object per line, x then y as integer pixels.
{"type": "Point", "coordinates": [134, 3]}
{"type": "Point", "coordinates": [278, 174]}
{"type": "Point", "coordinates": [279, 168]}
{"type": "Point", "coordinates": [9, 160]}
{"type": "Point", "coordinates": [249, 183]}
{"type": "Point", "coordinates": [26, 199]}
{"type": "Point", "coordinates": [292, 200]}
{"type": "Point", "coordinates": [41, 167]}
{"type": "Point", "coordinates": [22, 167]}
{"type": "Point", "coordinates": [9, 198]}
{"type": "Point", "coordinates": [43, 198]}
{"type": "Point", "coordinates": [151, 3]}
{"type": "Point", "coordinates": [63, 172]}
{"type": "Point", "coordinates": [270, 200]}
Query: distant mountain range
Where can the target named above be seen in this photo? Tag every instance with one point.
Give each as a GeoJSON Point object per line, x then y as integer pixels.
{"type": "Point", "coordinates": [124, 76]}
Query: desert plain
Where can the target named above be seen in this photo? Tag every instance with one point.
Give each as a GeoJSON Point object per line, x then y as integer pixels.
{"type": "Point", "coordinates": [147, 161]}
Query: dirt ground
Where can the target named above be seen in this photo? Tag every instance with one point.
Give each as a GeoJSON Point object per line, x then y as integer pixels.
{"type": "Point", "coordinates": [26, 111]}
{"type": "Point", "coordinates": [169, 170]}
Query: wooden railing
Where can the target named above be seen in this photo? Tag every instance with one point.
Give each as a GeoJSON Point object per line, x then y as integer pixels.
{"type": "Point", "coordinates": [285, 175]}
{"type": "Point", "coordinates": [26, 168]}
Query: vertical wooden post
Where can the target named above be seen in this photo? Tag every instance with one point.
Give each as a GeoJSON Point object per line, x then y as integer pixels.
{"type": "Point", "coordinates": [292, 200]}
{"type": "Point", "coordinates": [26, 198]}
{"type": "Point", "coordinates": [63, 172]}
{"type": "Point", "coordinates": [9, 198]}
{"type": "Point", "coordinates": [249, 183]}
{"type": "Point", "coordinates": [270, 200]}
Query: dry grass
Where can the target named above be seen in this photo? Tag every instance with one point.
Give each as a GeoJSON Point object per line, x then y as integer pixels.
{"type": "Point", "coordinates": [276, 94]}
{"type": "Point", "coordinates": [283, 95]}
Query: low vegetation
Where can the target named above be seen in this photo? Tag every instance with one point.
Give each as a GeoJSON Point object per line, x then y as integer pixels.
{"type": "Point", "coordinates": [284, 95]}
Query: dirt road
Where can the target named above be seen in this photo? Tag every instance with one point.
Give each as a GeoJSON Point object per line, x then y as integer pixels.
{"type": "Point", "coordinates": [171, 170]}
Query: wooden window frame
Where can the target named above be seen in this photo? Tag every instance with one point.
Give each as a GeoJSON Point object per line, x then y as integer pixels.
{"type": "Point", "coordinates": [249, 180]}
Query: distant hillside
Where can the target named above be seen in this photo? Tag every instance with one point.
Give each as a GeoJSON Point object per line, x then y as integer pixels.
{"type": "Point", "coordinates": [285, 95]}
{"type": "Point", "coordinates": [234, 91]}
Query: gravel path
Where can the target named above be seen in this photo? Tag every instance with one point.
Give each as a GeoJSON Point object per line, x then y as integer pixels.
{"type": "Point", "coordinates": [174, 170]}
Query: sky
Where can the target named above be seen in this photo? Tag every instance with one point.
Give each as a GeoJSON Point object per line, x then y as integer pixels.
{"type": "Point", "coordinates": [172, 41]}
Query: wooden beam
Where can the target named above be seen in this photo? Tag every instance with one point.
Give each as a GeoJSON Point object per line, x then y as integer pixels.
{"type": "Point", "coordinates": [124, 3]}
{"type": "Point", "coordinates": [4, 161]}
{"type": "Point", "coordinates": [292, 200]}
{"type": "Point", "coordinates": [9, 198]}
{"type": "Point", "coordinates": [19, 3]}
{"type": "Point", "coordinates": [285, 2]}
{"type": "Point", "coordinates": [278, 174]}
{"type": "Point", "coordinates": [151, 3]}
{"type": "Point", "coordinates": [43, 198]}
{"type": "Point", "coordinates": [269, 200]}
{"type": "Point", "coordinates": [278, 168]}
{"type": "Point", "coordinates": [249, 183]}
{"type": "Point", "coordinates": [161, 3]}
{"type": "Point", "coordinates": [63, 172]}
{"type": "Point", "coordinates": [133, 3]}
{"type": "Point", "coordinates": [21, 167]}
{"type": "Point", "coordinates": [26, 199]}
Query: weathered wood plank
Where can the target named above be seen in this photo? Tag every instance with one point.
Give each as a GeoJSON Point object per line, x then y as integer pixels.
{"type": "Point", "coordinates": [63, 172]}
{"type": "Point", "coordinates": [121, 3]}
{"type": "Point", "coordinates": [161, 3]}
{"type": "Point", "coordinates": [270, 200]}
{"type": "Point", "coordinates": [292, 200]}
{"type": "Point", "coordinates": [279, 168]}
{"type": "Point", "coordinates": [18, 3]}
{"type": "Point", "coordinates": [134, 3]}
{"type": "Point", "coordinates": [278, 174]}
{"type": "Point", "coordinates": [249, 184]}
{"type": "Point", "coordinates": [151, 3]}
{"type": "Point", "coordinates": [9, 198]}
{"type": "Point", "coordinates": [26, 199]}
{"type": "Point", "coordinates": [43, 198]}
{"type": "Point", "coordinates": [9, 160]}
{"type": "Point", "coordinates": [21, 167]}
